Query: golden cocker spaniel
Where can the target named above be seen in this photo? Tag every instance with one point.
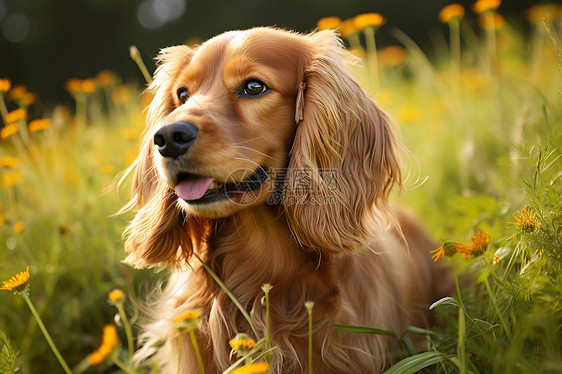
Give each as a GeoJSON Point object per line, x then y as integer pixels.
{"type": "Point", "coordinates": [265, 158]}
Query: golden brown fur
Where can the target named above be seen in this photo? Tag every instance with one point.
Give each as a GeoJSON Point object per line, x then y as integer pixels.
{"type": "Point", "coordinates": [337, 244]}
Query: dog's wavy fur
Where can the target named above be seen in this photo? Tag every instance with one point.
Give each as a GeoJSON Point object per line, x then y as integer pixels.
{"type": "Point", "coordinates": [359, 260]}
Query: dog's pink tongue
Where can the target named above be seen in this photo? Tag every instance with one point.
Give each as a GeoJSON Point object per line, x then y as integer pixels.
{"type": "Point", "coordinates": [193, 189]}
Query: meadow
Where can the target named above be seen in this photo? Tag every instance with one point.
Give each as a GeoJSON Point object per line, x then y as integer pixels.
{"type": "Point", "coordinates": [480, 116]}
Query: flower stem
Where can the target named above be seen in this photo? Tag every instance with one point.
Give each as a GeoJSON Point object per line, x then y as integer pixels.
{"type": "Point", "coordinates": [309, 305]}
{"type": "Point", "coordinates": [494, 303]}
{"type": "Point", "coordinates": [46, 333]}
{"type": "Point", "coordinates": [266, 288]}
{"type": "Point", "coordinates": [179, 351]}
{"type": "Point", "coordinates": [229, 294]}
{"type": "Point", "coordinates": [197, 352]}
{"type": "Point", "coordinates": [128, 330]}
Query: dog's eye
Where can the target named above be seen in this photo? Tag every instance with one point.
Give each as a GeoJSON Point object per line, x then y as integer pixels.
{"type": "Point", "coordinates": [183, 95]}
{"type": "Point", "coordinates": [255, 87]}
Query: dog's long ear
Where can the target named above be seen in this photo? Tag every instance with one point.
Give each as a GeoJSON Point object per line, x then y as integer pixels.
{"type": "Point", "coordinates": [345, 156]}
{"type": "Point", "coordinates": [160, 233]}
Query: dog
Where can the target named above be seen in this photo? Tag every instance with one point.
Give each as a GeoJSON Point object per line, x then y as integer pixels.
{"type": "Point", "coordinates": [264, 159]}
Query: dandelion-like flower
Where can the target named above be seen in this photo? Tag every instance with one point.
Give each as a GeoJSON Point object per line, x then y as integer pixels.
{"type": "Point", "coordinates": [17, 92]}
{"type": "Point", "coordinates": [253, 368]}
{"type": "Point", "coordinates": [447, 249]}
{"type": "Point", "coordinates": [13, 177]}
{"type": "Point", "coordinates": [242, 342]}
{"type": "Point", "coordinates": [39, 124]}
{"type": "Point", "coordinates": [450, 12]}
{"type": "Point", "coordinates": [189, 316]}
{"type": "Point", "coordinates": [109, 341]}
{"type": "Point", "coordinates": [327, 23]}
{"type": "Point", "coordinates": [15, 115]}
{"type": "Point", "coordinates": [10, 162]}
{"type": "Point", "coordinates": [482, 6]}
{"type": "Point", "coordinates": [8, 131]}
{"type": "Point", "coordinates": [348, 28]}
{"type": "Point", "coordinates": [116, 295]}
{"type": "Point", "coordinates": [19, 227]}
{"type": "Point", "coordinates": [79, 86]}
{"type": "Point", "coordinates": [479, 243]}
{"type": "Point", "coordinates": [5, 85]}
{"type": "Point", "coordinates": [493, 21]}
{"type": "Point", "coordinates": [527, 223]}
{"type": "Point", "coordinates": [17, 282]}
{"type": "Point", "coordinates": [369, 20]}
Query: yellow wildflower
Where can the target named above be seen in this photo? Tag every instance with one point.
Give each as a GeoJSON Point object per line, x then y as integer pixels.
{"type": "Point", "coordinates": [5, 85]}
{"type": "Point", "coordinates": [189, 316]}
{"type": "Point", "coordinates": [391, 56]}
{"type": "Point", "coordinates": [527, 223]}
{"type": "Point", "coordinates": [329, 23]}
{"type": "Point", "coordinates": [496, 259]}
{"type": "Point", "coordinates": [13, 177]}
{"type": "Point", "coordinates": [121, 95]}
{"type": "Point", "coordinates": [39, 124]}
{"type": "Point", "coordinates": [493, 21]}
{"type": "Point", "coordinates": [544, 12]}
{"type": "Point", "coordinates": [17, 92]}
{"type": "Point", "coordinates": [9, 161]}
{"type": "Point", "coordinates": [116, 295]}
{"type": "Point", "coordinates": [28, 99]}
{"type": "Point", "coordinates": [253, 368]}
{"type": "Point", "coordinates": [348, 27]}
{"type": "Point", "coordinates": [106, 78]}
{"type": "Point", "coordinates": [482, 6]}
{"type": "Point", "coordinates": [450, 12]}
{"type": "Point", "coordinates": [109, 341]}
{"type": "Point", "coordinates": [75, 86]}
{"type": "Point", "coordinates": [447, 249]}
{"type": "Point", "coordinates": [15, 115]}
{"type": "Point", "coordinates": [242, 342]}
{"type": "Point", "coordinates": [369, 20]}
{"type": "Point", "coordinates": [19, 227]}
{"type": "Point", "coordinates": [88, 86]}
{"type": "Point", "coordinates": [17, 281]}
{"type": "Point", "coordinates": [479, 243]}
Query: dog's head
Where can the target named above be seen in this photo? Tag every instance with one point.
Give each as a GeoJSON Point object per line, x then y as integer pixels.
{"type": "Point", "coordinates": [262, 116]}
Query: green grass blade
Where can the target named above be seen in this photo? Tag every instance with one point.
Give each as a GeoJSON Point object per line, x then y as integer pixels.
{"type": "Point", "coordinates": [364, 330]}
{"type": "Point", "coordinates": [413, 364]}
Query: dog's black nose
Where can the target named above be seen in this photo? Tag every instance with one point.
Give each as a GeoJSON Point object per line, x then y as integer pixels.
{"type": "Point", "coordinates": [174, 139]}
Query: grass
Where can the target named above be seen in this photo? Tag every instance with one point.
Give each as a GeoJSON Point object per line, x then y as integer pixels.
{"type": "Point", "coordinates": [483, 127]}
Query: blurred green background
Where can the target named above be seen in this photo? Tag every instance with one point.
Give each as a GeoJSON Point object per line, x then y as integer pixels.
{"type": "Point", "coordinates": [43, 43]}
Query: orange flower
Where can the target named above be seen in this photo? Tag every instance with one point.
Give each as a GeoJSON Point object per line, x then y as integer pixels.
{"type": "Point", "coordinates": [482, 6]}
{"type": "Point", "coordinates": [479, 243]}
{"type": "Point", "coordinates": [348, 27]}
{"type": "Point", "coordinates": [10, 162]}
{"type": "Point", "coordinates": [17, 281]}
{"type": "Point", "coordinates": [329, 23]}
{"type": "Point", "coordinates": [5, 85]}
{"type": "Point", "coordinates": [109, 341]}
{"type": "Point", "coordinates": [15, 115]}
{"type": "Point", "coordinates": [253, 368]}
{"type": "Point", "coordinates": [19, 227]}
{"type": "Point", "coordinates": [492, 21]}
{"type": "Point", "coordinates": [527, 223]}
{"type": "Point", "coordinates": [450, 12]}
{"type": "Point", "coordinates": [391, 56]}
{"type": "Point", "coordinates": [115, 295]}
{"type": "Point", "coordinates": [13, 177]}
{"type": "Point", "coordinates": [39, 124]}
{"type": "Point", "coordinates": [17, 92]}
{"type": "Point", "coordinates": [369, 20]}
